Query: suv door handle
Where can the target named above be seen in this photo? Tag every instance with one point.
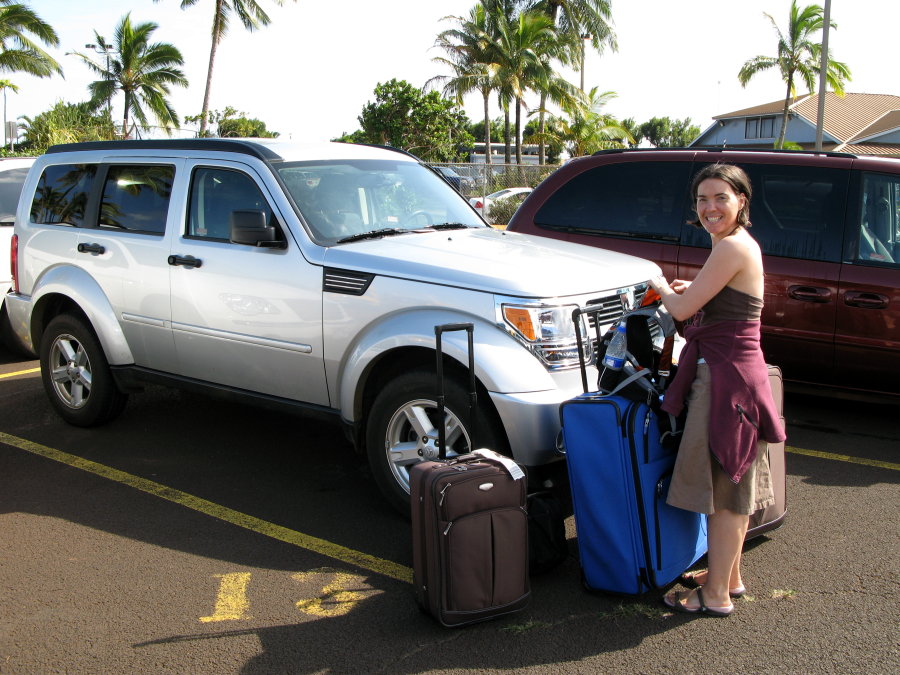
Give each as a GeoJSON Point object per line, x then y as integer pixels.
{"type": "Point", "coordinates": [865, 300]}
{"type": "Point", "coordinates": [91, 248]}
{"type": "Point", "coordinates": [809, 293]}
{"type": "Point", "coordinates": [185, 261]}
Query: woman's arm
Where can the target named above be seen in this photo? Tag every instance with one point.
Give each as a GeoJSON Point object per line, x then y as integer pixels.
{"type": "Point", "coordinates": [683, 299]}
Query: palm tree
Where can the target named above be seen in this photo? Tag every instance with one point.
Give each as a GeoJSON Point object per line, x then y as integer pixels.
{"type": "Point", "coordinates": [470, 55]}
{"type": "Point", "coordinates": [18, 52]}
{"type": "Point", "coordinates": [589, 129]}
{"type": "Point", "coordinates": [250, 14]}
{"type": "Point", "coordinates": [142, 70]}
{"type": "Point", "coordinates": [798, 58]}
{"type": "Point", "coordinates": [575, 22]}
{"type": "Point", "coordinates": [521, 45]}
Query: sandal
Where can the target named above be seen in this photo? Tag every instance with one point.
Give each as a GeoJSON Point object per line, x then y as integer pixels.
{"type": "Point", "coordinates": [679, 604]}
{"type": "Point", "coordinates": [689, 580]}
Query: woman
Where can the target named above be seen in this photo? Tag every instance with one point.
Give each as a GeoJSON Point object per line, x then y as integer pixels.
{"type": "Point", "coordinates": [722, 374]}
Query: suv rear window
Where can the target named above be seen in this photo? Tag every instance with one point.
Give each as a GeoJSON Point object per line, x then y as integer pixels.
{"type": "Point", "coordinates": [631, 199]}
{"type": "Point", "coordinates": [136, 198]}
{"type": "Point", "coordinates": [62, 194]}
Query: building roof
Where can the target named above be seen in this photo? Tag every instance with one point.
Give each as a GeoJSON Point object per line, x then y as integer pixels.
{"type": "Point", "coordinates": [853, 117]}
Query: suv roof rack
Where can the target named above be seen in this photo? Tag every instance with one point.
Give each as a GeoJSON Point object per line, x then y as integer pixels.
{"type": "Point", "coordinates": [243, 146]}
{"type": "Point", "coordinates": [828, 153]}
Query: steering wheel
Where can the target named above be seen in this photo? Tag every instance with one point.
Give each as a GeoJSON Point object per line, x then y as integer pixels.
{"type": "Point", "coordinates": [421, 213]}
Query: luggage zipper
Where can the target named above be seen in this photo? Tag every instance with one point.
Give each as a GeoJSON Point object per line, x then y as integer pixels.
{"type": "Point", "coordinates": [444, 494]}
{"type": "Point", "coordinates": [742, 415]}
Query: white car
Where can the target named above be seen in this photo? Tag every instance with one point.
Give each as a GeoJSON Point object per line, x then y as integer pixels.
{"type": "Point", "coordinates": [12, 175]}
{"type": "Point", "coordinates": [483, 204]}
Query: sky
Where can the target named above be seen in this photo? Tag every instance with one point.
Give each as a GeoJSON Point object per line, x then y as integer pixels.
{"type": "Point", "coordinates": [309, 74]}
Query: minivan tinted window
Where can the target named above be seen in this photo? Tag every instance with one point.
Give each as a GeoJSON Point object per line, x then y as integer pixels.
{"type": "Point", "coordinates": [878, 222]}
{"type": "Point", "coordinates": [631, 199]}
{"type": "Point", "coordinates": [795, 212]}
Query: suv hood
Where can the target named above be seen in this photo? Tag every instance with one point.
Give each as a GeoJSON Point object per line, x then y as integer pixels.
{"type": "Point", "coordinates": [495, 261]}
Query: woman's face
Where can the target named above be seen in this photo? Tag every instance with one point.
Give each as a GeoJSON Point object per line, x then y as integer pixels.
{"type": "Point", "coordinates": [718, 206]}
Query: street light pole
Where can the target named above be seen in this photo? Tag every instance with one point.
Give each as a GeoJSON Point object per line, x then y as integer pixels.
{"type": "Point", "coordinates": [105, 49]}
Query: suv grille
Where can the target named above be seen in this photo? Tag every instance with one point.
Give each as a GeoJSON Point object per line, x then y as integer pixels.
{"type": "Point", "coordinates": [613, 306]}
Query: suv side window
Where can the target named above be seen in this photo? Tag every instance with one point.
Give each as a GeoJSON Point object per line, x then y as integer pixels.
{"type": "Point", "coordinates": [62, 194]}
{"type": "Point", "coordinates": [215, 194]}
{"type": "Point", "coordinates": [136, 198]}
{"type": "Point", "coordinates": [631, 199]}
{"type": "Point", "coordinates": [796, 211]}
{"type": "Point", "coordinates": [879, 220]}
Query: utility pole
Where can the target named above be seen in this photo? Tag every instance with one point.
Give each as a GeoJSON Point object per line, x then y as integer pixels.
{"type": "Point", "coordinates": [823, 80]}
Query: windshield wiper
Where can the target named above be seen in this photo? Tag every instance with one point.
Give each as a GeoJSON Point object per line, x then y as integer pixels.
{"type": "Point", "coordinates": [449, 226]}
{"type": "Point", "coordinates": [373, 234]}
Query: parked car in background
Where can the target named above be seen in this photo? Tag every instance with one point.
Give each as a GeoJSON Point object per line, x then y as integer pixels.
{"type": "Point", "coordinates": [483, 204]}
{"type": "Point", "coordinates": [12, 175]}
{"type": "Point", "coordinates": [828, 225]}
{"type": "Point", "coordinates": [461, 183]}
{"type": "Point", "coordinates": [302, 276]}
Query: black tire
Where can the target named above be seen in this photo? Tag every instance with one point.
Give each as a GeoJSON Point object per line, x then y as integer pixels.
{"type": "Point", "coordinates": [76, 374]}
{"type": "Point", "coordinates": [394, 443]}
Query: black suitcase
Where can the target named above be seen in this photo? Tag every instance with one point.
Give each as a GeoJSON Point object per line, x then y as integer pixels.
{"type": "Point", "coordinates": [469, 525]}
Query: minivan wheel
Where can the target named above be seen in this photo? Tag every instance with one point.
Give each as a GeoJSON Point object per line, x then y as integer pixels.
{"type": "Point", "coordinates": [76, 374]}
{"type": "Point", "coordinates": [402, 430]}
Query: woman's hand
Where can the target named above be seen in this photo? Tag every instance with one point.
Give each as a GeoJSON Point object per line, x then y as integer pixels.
{"type": "Point", "coordinates": [659, 283]}
{"type": "Point", "coordinates": [679, 285]}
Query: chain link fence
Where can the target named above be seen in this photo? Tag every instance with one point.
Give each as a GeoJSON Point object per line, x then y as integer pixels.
{"type": "Point", "coordinates": [478, 180]}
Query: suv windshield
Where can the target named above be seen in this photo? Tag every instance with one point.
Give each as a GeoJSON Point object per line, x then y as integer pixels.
{"type": "Point", "coordinates": [342, 199]}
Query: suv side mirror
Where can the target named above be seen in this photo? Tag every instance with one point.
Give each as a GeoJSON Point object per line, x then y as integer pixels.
{"type": "Point", "coordinates": [249, 228]}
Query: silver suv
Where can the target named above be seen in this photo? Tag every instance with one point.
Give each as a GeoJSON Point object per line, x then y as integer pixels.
{"type": "Point", "coordinates": [306, 275]}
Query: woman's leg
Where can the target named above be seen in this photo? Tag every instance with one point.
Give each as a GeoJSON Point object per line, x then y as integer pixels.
{"type": "Point", "coordinates": [726, 539]}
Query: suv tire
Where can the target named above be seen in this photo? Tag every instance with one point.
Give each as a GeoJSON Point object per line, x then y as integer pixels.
{"type": "Point", "coordinates": [76, 374]}
{"type": "Point", "coordinates": [397, 437]}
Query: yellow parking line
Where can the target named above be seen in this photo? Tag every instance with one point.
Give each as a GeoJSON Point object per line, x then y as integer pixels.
{"type": "Point", "coordinates": [845, 458]}
{"type": "Point", "coordinates": [310, 543]}
{"type": "Point", "coordinates": [20, 372]}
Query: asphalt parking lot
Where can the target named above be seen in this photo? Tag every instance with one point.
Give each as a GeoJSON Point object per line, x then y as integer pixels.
{"type": "Point", "coordinates": [195, 535]}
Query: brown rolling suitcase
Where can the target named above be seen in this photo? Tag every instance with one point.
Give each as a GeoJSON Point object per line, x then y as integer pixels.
{"type": "Point", "coordinates": [772, 517]}
{"type": "Point", "coordinates": [469, 526]}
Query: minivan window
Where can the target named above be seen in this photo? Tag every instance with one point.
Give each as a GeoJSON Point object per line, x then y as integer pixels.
{"type": "Point", "coordinates": [631, 199]}
{"type": "Point", "coordinates": [879, 220]}
{"type": "Point", "coordinates": [136, 198]}
{"type": "Point", "coordinates": [795, 212]}
{"type": "Point", "coordinates": [62, 194]}
{"type": "Point", "coordinates": [215, 195]}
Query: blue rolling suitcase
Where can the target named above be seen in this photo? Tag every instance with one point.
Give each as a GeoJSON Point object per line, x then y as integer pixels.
{"type": "Point", "coordinates": [629, 540]}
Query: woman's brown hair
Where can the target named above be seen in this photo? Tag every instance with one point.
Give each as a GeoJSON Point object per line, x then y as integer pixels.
{"type": "Point", "coordinates": [735, 177]}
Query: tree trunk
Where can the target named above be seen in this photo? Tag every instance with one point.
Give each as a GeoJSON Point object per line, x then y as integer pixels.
{"type": "Point", "coordinates": [784, 114]}
{"type": "Point", "coordinates": [518, 131]}
{"type": "Point", "coordinates": [125, 133]}
{"type": "Point", "coordinates": [487, 130]}
{"type": "Point", "coordinates": [204, 114]}
{"type": "Point", "coordinates": [542, 154]}
{"type": "Point", "coordinates": [506, 135]}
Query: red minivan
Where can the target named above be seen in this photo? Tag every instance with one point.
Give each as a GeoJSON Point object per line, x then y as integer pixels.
{"type": "Point", "coordinates": [828, 225]}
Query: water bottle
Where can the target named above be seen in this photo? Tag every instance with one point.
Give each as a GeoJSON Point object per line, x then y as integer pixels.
{"type": "Point", "coordinates": [613, 360]}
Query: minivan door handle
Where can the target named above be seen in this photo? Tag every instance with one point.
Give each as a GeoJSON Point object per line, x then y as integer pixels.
{"type": "Point", "coordinates": [809, 293]}
{"type": "Point", "coordinates": [91, 248]}
{"type": "Point", "coordinates": [865, 300]}
{"type": "Point", "coordinates": [185, 261]}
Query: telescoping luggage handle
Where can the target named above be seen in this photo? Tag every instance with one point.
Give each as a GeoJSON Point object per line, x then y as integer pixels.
{"type": "Point", "coordinates": [473, 396]}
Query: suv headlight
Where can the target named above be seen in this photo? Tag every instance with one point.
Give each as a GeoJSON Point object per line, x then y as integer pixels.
{"type": "Point", "coordinates": [546, 330]}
